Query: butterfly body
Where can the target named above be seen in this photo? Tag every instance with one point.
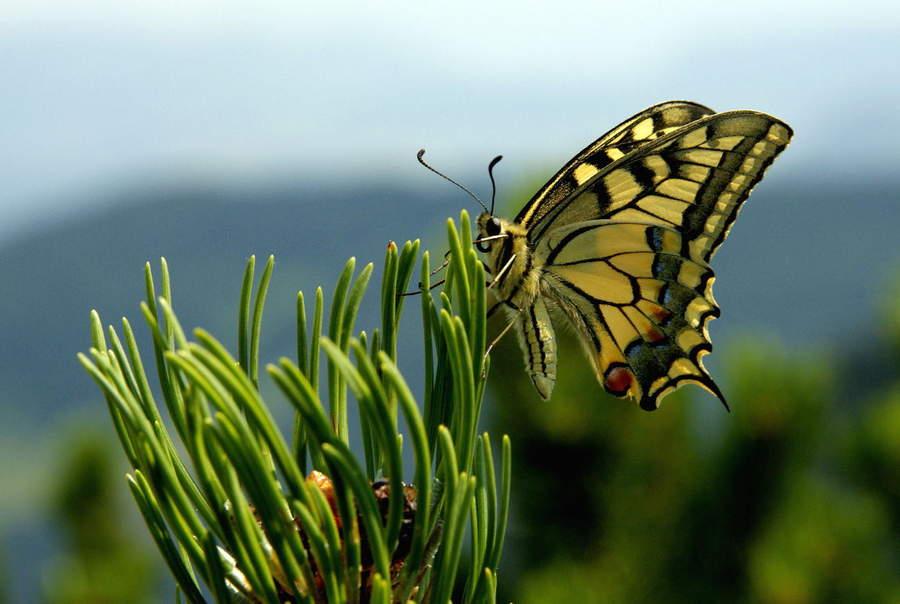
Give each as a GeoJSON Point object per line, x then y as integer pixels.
{"type": "Point", "coordinates": [519, 281]}
{"type": "Point", "coordinates": [618, 243]}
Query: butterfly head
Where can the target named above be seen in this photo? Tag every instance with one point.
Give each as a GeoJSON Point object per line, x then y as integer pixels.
{"type": "Point", "coordinates": [500, 240]}
{"type": "Point", "coordinates": [489, 231]}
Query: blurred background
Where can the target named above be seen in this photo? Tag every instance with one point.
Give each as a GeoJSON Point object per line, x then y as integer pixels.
{"type": "Point", "coordinates": [208, 131]}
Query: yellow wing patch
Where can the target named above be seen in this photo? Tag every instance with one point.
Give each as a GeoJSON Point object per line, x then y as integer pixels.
{"type": "Point", "coordinates": [585, 172]}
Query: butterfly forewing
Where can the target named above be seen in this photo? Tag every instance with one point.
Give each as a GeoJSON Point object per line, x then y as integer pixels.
{"type": "Point", "coordinates": [693, 179]}
{"type": "Point", "coordinates": [646, 126]}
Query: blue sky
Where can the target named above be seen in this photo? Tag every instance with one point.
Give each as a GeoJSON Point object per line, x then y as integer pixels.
{"type": "Point", "coordinates": [104, 94]}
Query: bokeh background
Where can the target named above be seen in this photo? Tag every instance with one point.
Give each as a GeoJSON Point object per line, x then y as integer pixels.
{"type": "Point", "coordinates": [208, 131]}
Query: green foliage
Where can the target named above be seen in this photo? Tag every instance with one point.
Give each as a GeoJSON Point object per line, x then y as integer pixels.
{"type": "Point", "coordinates": [790, 498]}
{"type": "Point", "coordinates": [889, 326]}
{"type": "Point", "coordinates": [101, 562]}
{"type": "Point", "coordinates": [824, 544]}
{"type": "Point", "coordinates": [875, 448]}
{"type": "Point", "coordinates": [235, 515]}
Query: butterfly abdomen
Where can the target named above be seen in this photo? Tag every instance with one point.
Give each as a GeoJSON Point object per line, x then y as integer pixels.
{"type": "Point", "coordinates": [538, 342]}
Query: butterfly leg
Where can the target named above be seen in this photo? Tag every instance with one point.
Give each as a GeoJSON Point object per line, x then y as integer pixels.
{"type": "Point", "coordinates": [443, 264]}
{"type": "Point", "coordinates": [497, 305]}
{"type": "Point", "coordinates": [500, 336]}
{"type": "Point", "coordinates": [432, 273]}
{"type": "Point", "coordinates": [447, 260]}
{"type": "Point", "coordinates": [491, 238]}
{"type": "Point", "coordinates": [502, 272]}
{"type": "Point", "coordinates": [419, 291]}
{"type": "Point", "coordinates": [490, 347]}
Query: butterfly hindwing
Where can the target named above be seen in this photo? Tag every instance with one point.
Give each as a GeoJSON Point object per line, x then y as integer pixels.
{"type": "Point", "coordinates": [693, 179]}
{"type": "Point", "coordinates": [641, 307]}
{"type": "Point", "coordinates": [646, 126]}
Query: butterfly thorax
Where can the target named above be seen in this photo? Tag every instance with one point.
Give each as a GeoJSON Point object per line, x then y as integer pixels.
{"type": "Point", "coordinates": [509, 259]}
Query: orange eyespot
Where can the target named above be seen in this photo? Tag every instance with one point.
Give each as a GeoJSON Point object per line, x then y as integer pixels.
{"type": "Point", "coordinates": [618, 380]}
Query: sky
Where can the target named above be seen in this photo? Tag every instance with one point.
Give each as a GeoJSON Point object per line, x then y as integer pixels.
{"type": "Point", "coordinates": [100, 95]}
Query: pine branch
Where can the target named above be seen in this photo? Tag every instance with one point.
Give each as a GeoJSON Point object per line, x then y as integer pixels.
{"type": "Point", "coordinates": [238, 517]}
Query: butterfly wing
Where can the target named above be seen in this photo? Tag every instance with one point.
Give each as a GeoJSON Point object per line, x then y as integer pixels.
{"type": "Point", "coordinates": [646, 126]}
{"type": "Point", "coordinates": [693, 179]}
{"type": "Point", "coordinates": [640, 305]}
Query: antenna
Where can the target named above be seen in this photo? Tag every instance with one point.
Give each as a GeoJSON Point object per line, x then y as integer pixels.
{"type": "Point", "coordinates": [444, 176]}
{"type": "Point", "coordinates": [491, 165]}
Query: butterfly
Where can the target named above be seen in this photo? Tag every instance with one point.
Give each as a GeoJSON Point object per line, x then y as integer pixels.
{"type": "Point", "coordinates": [619, 243]}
